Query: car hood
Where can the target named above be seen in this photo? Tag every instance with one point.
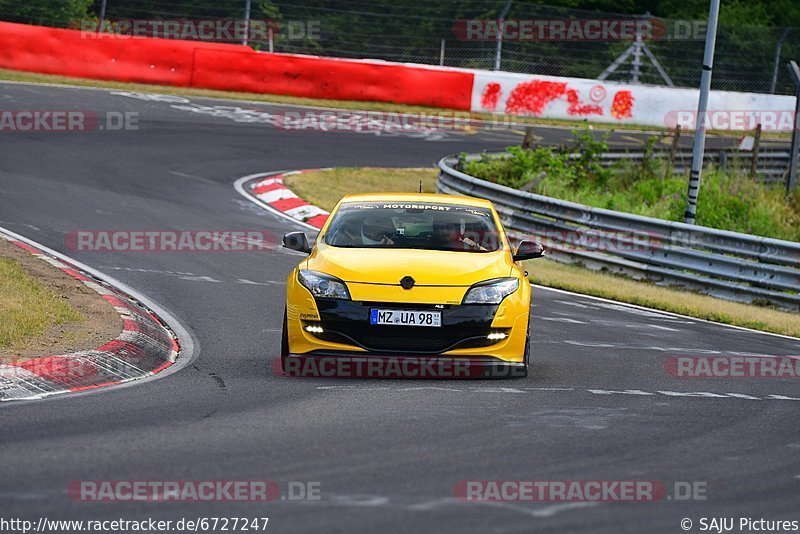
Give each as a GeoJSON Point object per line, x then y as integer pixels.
{"type": "Point", "coordinates": [427, 267]}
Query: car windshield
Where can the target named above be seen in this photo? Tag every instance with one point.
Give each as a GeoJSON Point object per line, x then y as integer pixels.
{"type": "Point", "coordinates": [409, 225]}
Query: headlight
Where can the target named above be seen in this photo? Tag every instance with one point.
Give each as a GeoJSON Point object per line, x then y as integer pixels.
{"type": "Point", "coordinates": [491, 291]}
{"type": "Point", "coordinates": [323, 285]}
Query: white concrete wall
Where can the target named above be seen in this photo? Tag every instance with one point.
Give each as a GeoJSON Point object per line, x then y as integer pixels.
{"type": "Point", "coordinates": [576, 99]}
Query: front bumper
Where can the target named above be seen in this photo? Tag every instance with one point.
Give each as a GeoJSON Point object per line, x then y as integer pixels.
{"type": "Point", "coordinates": [346, 330]}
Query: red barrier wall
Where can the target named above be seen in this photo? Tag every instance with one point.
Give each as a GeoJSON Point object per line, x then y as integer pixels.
{"type": "Point", "coordinates": [72, 53]}
{"type": "Point", "coordinates": [227, 67]}
{"type": "Point", "coordinates": [338, 79]}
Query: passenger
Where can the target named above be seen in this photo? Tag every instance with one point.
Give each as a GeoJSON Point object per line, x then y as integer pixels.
{"type": "Point", "coordinates": [447, 235]}
{"type": "Point", "coordinates": [445, 232]}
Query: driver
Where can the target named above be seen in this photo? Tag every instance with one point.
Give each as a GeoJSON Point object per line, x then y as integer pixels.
{"type": "Point", "coordinates": [377, 229]}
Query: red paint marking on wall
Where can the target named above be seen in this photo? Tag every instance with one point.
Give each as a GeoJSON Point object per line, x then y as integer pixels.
{"type": "Point", "coordinates": [622, 107]}
{"type": "Point", "coordinates": [532, 97]}
{"type": "Point", "coordinates": [597, 93]}
{"type": "Point", "coordinates": [490, 96]}
{"type": "Point", "coordinates": [576, 107]}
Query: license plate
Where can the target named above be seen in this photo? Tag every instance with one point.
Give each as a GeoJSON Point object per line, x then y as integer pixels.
{"type": "Point", "coordinates": [405, 317]}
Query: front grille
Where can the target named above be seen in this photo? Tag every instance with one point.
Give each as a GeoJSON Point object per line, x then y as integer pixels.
{"type": "Point", "coordinates": [380, 340]}
{"type": "Point", "coordinates": [462, 326]}
{"type": "Point", "coordinates": [385, 341]}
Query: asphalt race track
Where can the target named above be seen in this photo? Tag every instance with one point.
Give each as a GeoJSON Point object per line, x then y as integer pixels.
{"type": "Point", "coordinates": [387, 454]}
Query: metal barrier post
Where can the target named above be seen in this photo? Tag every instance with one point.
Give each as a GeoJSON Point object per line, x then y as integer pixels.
{"type": "Point", "coordinates": [530, 138]}
{"type": "Point", "coordinates": [791, 181]}
{"type": "Point", "coordinates": [702, 107]}
{"type": "Point", "coordinates": [102, 16]}
{"type": "Point", "coordinates": [778, 46]}
{"type": "Point", "coordinates": [501, 23]}
{"type": "Point", "coordinates": [672, 151]}
{"type": "Point", "coordinates": [246, 22]}
{"type": "Point", "coordinates": [756, 147]}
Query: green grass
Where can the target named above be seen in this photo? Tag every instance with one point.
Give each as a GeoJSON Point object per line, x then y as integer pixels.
{"type": "Point", "coordinates": [27, 307]}
{"type": "Point", "coordinates": [579, 280]}
{"type": "Point", "coordinates": [325, 188]}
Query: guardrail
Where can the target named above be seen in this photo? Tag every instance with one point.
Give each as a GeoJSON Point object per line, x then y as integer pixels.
{"type": "Point", "coordinates": [724, 264]}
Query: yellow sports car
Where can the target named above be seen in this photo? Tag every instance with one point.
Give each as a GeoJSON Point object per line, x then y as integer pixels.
{"type": "Point", "coordinates": [409, 277]}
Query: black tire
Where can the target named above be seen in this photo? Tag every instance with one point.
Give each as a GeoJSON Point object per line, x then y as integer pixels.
{"type": "Point", "coordinates": [284, 342]}
{"type": "Point", "coordinates": [526, 356]}
{"type": "Point", "coordinates": [524, 373]}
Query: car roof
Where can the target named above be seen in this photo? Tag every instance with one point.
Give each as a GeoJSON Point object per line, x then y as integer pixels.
{"type": "Point", "coordinates": [417, 197]}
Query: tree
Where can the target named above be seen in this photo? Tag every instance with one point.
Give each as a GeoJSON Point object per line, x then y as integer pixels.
{"type": "Point", "coordinates": [45, 12]}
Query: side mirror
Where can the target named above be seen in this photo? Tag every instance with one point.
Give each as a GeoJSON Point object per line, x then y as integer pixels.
{"type": "Point", "coordinates": [528, 250]}
{"type": "Point", "coordinates": [297, 241]}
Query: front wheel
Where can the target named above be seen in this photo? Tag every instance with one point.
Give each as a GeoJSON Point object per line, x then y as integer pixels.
{"type": "Point", "coordinates": [526, 355]}
{"type": "Point", "coordinates": [284, 342]}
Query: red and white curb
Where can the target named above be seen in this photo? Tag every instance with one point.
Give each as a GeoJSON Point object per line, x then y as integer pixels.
{"type": "Point", "coordinates": [274, 195]}
{"type": "Point", "coordinates": [145, 347]}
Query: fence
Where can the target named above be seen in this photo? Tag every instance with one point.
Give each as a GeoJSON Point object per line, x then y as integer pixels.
{"type": "Point", "coordinates": [725, 264]}
{"type": "Point", "coordinates": [748, 58]}
{"type": "Point", "coordinates": [772, 165]}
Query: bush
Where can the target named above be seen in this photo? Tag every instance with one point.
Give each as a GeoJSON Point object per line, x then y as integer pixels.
{"type": "Point", "coordinates": [526, 165]}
